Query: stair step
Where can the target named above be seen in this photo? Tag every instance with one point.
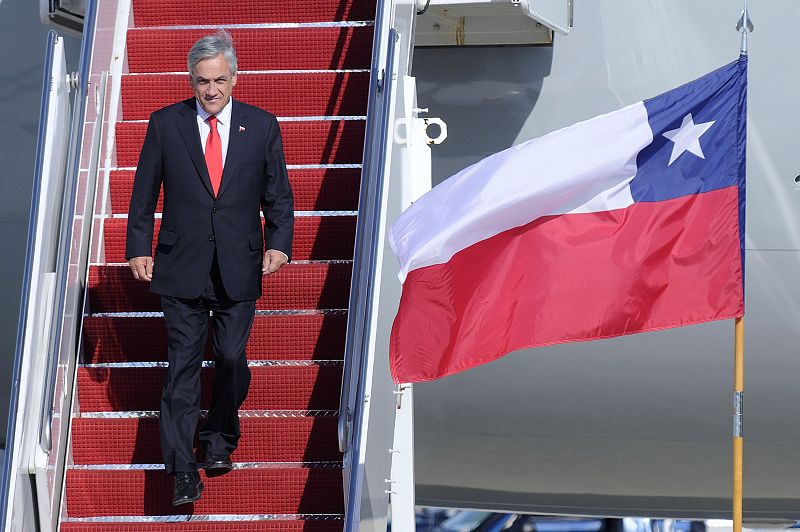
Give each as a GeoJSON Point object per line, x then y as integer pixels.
{"type": "Point", "coordinates": [318, 94]}
{"type": "Point", "coordinates": [264, 439]}
{"type": "Point", "coordinates": [295, 286]}
{"type": "Point", "coordinates": [307, 142]}
{"type": "Point", "coordinates": [271, 388]}
{"type": "Point", "coordinates": [298, 525]}
{"type": "Point", "coordinates": [160, 13]}
{"type": "Point", "coordinates": [257, 49]}
{"type": "Point", "coordinates": [324, 189]}
{"type": "Point", "coordinates": [315, 238]}
{"type": "Point", "coordinates": [110, 339]}
{"type": "Point", "coordinates": [242, 491]}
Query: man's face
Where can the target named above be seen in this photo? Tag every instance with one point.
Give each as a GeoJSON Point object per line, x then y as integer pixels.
{"type": "Point", "coordinates": [213, 83]}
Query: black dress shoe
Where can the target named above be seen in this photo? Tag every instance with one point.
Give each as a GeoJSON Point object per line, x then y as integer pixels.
{"type": "Point", "coordinates": [218, 464]}
{"type": "Point", "coordinates": [188, 487]}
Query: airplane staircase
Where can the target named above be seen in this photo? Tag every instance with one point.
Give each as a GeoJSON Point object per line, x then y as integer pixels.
{"type": "Point", "coordinates": [319, 448]}
{"type": "Point", "coordinates": [308, 63]}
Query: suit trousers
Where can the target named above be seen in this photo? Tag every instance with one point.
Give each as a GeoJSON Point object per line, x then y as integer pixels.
{"type": "Point", "coordinates": [187, 322]}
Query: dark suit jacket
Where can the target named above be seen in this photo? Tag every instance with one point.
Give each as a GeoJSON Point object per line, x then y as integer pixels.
{"type": "Point", "coordinates": [193, 220]}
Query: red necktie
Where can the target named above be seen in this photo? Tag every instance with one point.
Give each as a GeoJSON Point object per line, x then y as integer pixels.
{"type": "Point", "coordinates": [214, 155]}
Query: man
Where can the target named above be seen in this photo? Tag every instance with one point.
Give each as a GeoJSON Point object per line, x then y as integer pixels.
{"type": "Point", "coordinates": [218, 160]}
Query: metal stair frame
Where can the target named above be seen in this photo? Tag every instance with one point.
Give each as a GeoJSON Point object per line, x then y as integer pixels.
{"type": "Point", "coordinates": [369, 391]}
{"type": "Point", "coordinates": [369, 401]}
{"type": "Point", "coordinates": [50, 414]}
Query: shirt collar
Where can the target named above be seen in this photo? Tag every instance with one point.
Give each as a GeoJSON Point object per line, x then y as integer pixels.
{"type": "Point", "coordinates": [223, 117]}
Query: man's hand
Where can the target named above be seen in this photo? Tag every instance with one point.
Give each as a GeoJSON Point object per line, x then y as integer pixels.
{"type": "Point", "coordinates": [273, 260]}
{"type": "Point", "coordinates": [142, 268]}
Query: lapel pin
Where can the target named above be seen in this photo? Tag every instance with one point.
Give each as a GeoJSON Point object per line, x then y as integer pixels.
{"type": "Point", "coordinates": [241, 129]}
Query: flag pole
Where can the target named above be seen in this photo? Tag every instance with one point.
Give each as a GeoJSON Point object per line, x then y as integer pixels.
{"type": "Point", "coordinates": [744, 26]}
{"type": "Point", "coordinates": [738, 438]}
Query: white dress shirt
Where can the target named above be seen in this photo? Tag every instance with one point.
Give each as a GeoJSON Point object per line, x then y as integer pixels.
{"type": "Point", "coordinates": [223, 126]}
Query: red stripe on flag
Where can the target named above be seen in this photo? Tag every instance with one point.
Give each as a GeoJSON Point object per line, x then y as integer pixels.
{"type": "Point", "coordinates": [572, 277]}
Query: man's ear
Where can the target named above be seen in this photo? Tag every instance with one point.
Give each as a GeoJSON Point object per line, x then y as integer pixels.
{"type": "Point", "coordinates": [233, 81]}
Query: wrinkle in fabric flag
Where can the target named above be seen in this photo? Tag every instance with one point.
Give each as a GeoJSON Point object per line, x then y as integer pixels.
{"type": "Point", "coordinates": [629, 222]}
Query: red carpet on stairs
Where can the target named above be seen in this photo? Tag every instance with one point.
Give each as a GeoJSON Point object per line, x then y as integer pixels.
{"type": "Point", "coordinates": [268, 439]}
{"type": "Point", "coordinates": [286, 95]}
{"type": "Point", "coordinates": [199, 12]}
{"type": "Point", "coordinates": [287, 475]}
{"type": "Point", "coordinates": [318, 336]}
{"type": "Point", "coordinates": [271, 388]}
{"type": "Point", "coordinates": [257, 49]}
{"type": "Point", "coordinates": [213, 526]}
{"type": "Point", "coordinates": [306, 142]}
{"type": "Point", "coordinates": [315, 238]}
{"type": "Point", "coordinates": [295, 286]}
{"type": "Point", "coordinates": [325, 189]}
{"type": "Point", "coordinates": [253, 491]}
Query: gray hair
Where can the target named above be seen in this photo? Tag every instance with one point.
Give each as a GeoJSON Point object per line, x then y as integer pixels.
{"type": "Point", "coordinates": [211, 46]}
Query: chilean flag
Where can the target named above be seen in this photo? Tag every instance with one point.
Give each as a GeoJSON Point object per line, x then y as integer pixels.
{"type": "Point", "coordinates": [629, 222]}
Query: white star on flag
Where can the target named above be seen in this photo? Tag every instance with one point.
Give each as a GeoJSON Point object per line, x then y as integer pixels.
{"type": "Point", "coordinates": [687, 138]}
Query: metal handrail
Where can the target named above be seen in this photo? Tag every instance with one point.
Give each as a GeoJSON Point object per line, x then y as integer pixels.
{"type": "Point", "coordinates": [370, 232]}
{"type": "Point", "coordinates": [26, 305]}
{"type": "Point", "coordinates": [358, 313]}
{"type": "Point", "coordinates": [27, 273]}
{"type": "Point", "coordinates": [67, 216]}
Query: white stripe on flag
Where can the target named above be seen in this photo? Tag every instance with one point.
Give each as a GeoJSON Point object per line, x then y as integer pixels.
{"type": "Point", "coordinates": [582, 168]}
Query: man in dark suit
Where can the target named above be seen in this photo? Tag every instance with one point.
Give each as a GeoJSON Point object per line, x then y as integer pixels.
{"type": "Point", "coordinates": [219, 161]}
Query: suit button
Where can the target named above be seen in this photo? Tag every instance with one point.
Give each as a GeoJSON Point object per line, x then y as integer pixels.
{"type": "Point", "coordinates": [210, 238]}
{"type": "Point", "coordinates": [214, 210]}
